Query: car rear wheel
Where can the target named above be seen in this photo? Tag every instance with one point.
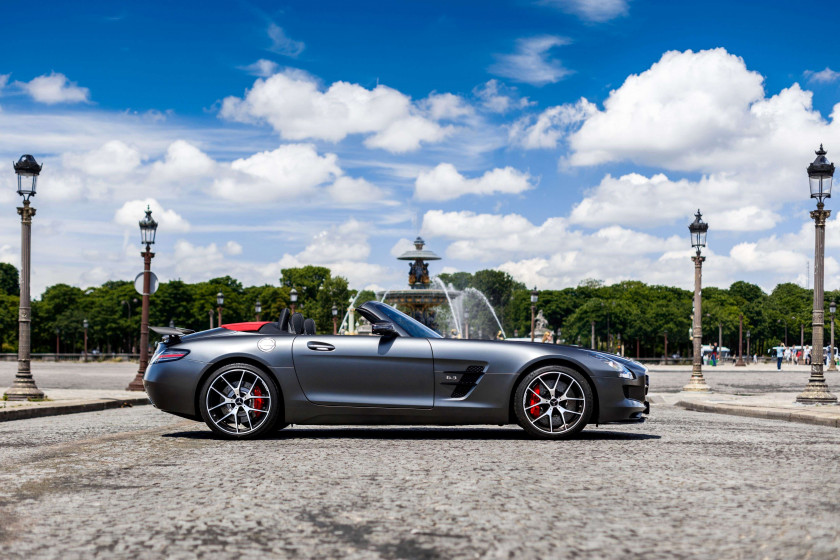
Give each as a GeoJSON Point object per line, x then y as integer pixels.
{"type": "Point", "coordinates": [553, 402]}
{"type": "Point", "coordinates": [240, 401]}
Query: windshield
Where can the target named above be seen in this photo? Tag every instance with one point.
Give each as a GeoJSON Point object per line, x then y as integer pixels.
{"type": "Point", "coordinates": [414, 328]}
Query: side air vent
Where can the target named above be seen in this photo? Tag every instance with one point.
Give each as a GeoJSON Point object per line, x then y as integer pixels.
{"type": "Point", "coordinates": [466, 382]}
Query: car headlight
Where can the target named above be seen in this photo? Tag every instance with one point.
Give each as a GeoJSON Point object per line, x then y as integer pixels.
{"type": "Point", "coordinates": [623, 371]}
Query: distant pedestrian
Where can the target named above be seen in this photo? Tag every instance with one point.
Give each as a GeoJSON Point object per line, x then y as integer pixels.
{"type": "Point", "coordinates": [780, 355]}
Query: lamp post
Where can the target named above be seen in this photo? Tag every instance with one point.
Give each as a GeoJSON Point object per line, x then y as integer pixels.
{"type": "Point", "coordinates": [293, 297]}
{"type": "Point", "coordinates": [220, 302]}
{"type": "Point", "coordinates": [85, 324]}
{"type": "Point", "coordinates": [210, 315]}
{"type": "Point", "coordinates": [23, 388]}
{"type": "Point", "coordinates": [592, 335]}
{"type": "Point", "coordinates": [57, 343]}
{"type": "Point", "coordinates": [740, 362]}
{"type": "Point", "coordinates": [467, 325]}
{"type": "Point", "coordinates": [334, 311]}
{"type": "Point", "coordinates": [171, 323]}
{"type": "Point", "coordinates": [535, 295]}
{"type": "Point", "coordinates": [832, 308]}
{"type": "Point", "coordinates": [148, 230]}
{"type": "Point", "coordinates": [258, 309]}
{"type": "Point", "coordinates": [786, 337]}
{"type": "Point", "coordinates": [749, 356]}
{"type": "Point", "coordinates": [666, 346]}
{"type": "Point", "coordinates": [820, 174]}
{"type": "Point", "coordinates": [698, 229]}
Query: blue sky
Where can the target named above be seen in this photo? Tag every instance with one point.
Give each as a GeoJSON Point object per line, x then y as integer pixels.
{"type": "Point", "coordinates": [557, 140]}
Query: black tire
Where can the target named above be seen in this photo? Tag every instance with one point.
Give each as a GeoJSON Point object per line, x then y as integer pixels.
{"type": "Point", "coordinates": [549, 413]}
{"type": "Point", "coordinates": [240, 401]}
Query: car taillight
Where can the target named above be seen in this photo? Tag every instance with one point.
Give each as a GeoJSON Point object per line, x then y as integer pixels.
{"type": "Point", "coordinates": [170, 356]}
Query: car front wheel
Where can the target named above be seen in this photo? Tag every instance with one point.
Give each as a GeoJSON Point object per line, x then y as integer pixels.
{"type": "Point", "coordinates": [553, 402]}
{"type": "Point", "coordinates": [240, 401]}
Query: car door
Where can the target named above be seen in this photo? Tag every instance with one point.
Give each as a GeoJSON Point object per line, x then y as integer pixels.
{"type": "Point", "coordinates": [369, 371]}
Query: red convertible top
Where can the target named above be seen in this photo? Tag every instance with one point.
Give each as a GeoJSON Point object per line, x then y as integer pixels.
{"type": "Point", "coordinates": [252, 326]}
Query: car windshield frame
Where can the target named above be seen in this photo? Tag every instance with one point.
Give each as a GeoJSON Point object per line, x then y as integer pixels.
{"type": "Point", "coordinates": [413, 327]}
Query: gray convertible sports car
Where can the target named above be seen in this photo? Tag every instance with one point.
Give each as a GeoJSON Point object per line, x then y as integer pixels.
{"type": "Point", "coordinates": [247, 379]}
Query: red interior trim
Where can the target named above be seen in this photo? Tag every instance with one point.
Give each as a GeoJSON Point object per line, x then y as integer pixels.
{"type": "Point", "coordinates": [253, 326]}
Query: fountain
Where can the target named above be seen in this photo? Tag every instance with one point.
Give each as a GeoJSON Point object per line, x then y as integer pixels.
{"type": "Point", "coordinates": [420, 300]}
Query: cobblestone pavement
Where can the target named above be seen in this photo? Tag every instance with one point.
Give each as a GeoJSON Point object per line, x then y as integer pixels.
{"type": "Point", "coordinates": [749, 380]}
{"type": "Point", "coordinates": [142, 484]}
{"type": "Point", "coordinates": [74, 375]}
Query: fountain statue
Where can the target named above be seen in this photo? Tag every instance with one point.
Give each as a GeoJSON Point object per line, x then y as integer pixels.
{"type": "Point", "coordinates": [420, 300]}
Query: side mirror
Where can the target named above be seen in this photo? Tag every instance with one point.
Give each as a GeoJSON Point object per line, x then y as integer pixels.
{"type": "Point", "coordinates": [385, 329]}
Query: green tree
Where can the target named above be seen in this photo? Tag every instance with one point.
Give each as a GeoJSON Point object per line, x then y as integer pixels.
{"type": "Point", "coordinates": [9, 280]}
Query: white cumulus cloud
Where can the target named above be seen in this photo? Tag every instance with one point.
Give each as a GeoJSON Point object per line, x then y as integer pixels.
{"type": "Point", "coordinates": [547, 128]}
{"type": "Point", "coordinates": [133, 211]}
{"type": "Point", "coordinates": [55, 88]}
{"type": "Point", "coordinates": [497, 97]}
{"type": "Point", "coordinates": [532, 63]}
{"type": "Point", "coordinates": [262, 68]}
{"type": "Point", "coordinates": [293, 103]}
{"type": "Point", "coordinates": [444, 182]}
{"type": "Point", "coordinates": [113, 159]}
{"type": "Point", "coordinates": [183, 161]}
{"type": "Point", "coordinates": [289, 171]}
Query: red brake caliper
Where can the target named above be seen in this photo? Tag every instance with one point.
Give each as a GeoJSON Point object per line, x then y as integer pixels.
{"type": "Point", "coordinates": [258, 403]}
{"type": "Point", "coordinates": [534, 409]}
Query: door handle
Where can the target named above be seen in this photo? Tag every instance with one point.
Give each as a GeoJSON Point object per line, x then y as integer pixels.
{"type": "Point", "coordinates": [320, 346]}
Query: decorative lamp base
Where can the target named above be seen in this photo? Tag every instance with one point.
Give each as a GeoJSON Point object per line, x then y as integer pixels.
{"type": "Point", "coordinates": [697, 385]}
{"type": "Point", "coordinates": [23, 390]}
{"type": "Point", "coordinates": [740, 362]}
{"type": "Point", "coordinates": [136, 384]}
{"type": "Point", "coordinates": [816, 392]}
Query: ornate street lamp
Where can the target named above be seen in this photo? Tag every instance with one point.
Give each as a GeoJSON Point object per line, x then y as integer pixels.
{"type": "Point", "coordinates": [258, 309]}
{"type": "Point", "coordinates": [23, 388]}
{"type": "Point", "coordinates": [148, 230]}
{"type": "Point", "coordinates": [832, 308]}
{"type": "Point", "coordinates": [85, 324]}
{"type": "Point", "coordinates": [740, 361]}
{"type": "Point", "coordinates": [820, 174]}
{"type": "Point", "coordinates": [334, 312]}
{"type": "Point", "coordinates": [220, 302]}
{"type": "Point", "coordinates": [749, 356]}
{"type": "Point", "coordinates": [293, 297]}
{"type": "Point", "coordinates": [697, 230]}
{"type": "Point", "coordinates": [592, 335]}
{"type": "Point", "coordinates": [535, 295]}
{"type": "Point", "coordinates": [467, 324]}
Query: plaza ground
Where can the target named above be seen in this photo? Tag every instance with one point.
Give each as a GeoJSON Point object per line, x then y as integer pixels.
{"type": "Point", "coordinates": [139, 483]}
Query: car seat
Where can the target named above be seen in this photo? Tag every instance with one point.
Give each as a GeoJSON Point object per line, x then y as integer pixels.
{"type": "Point", "coordinates": [296, 326]}
{"type": "Point", "coordinates": [309, 326]}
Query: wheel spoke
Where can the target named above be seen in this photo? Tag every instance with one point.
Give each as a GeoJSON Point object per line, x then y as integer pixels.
{"type": "Point", "coordinates": [556, 383]}
{"type": "Point", "coordinates": [217, 406]}
{"type": "Point", "coordinates": [223, 378]}
{"type": "Point", "coordinates": [222, 394]}
{"type": "Point", "coordinates": [546, 384]}
{"type": "Point", "coordinates": [257, 397]}
{"type": "Point", "coordinates": [241, 378]}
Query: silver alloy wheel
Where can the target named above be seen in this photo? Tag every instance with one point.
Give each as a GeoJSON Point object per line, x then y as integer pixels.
{"type": "Point", "coordinates": [238, 405]}
{"type": "Point", "coordinates": [554, 402]}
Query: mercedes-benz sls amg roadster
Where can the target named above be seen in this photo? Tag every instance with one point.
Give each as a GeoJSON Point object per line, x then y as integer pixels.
{"type": "Point", "coordinates": [246, 379]}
